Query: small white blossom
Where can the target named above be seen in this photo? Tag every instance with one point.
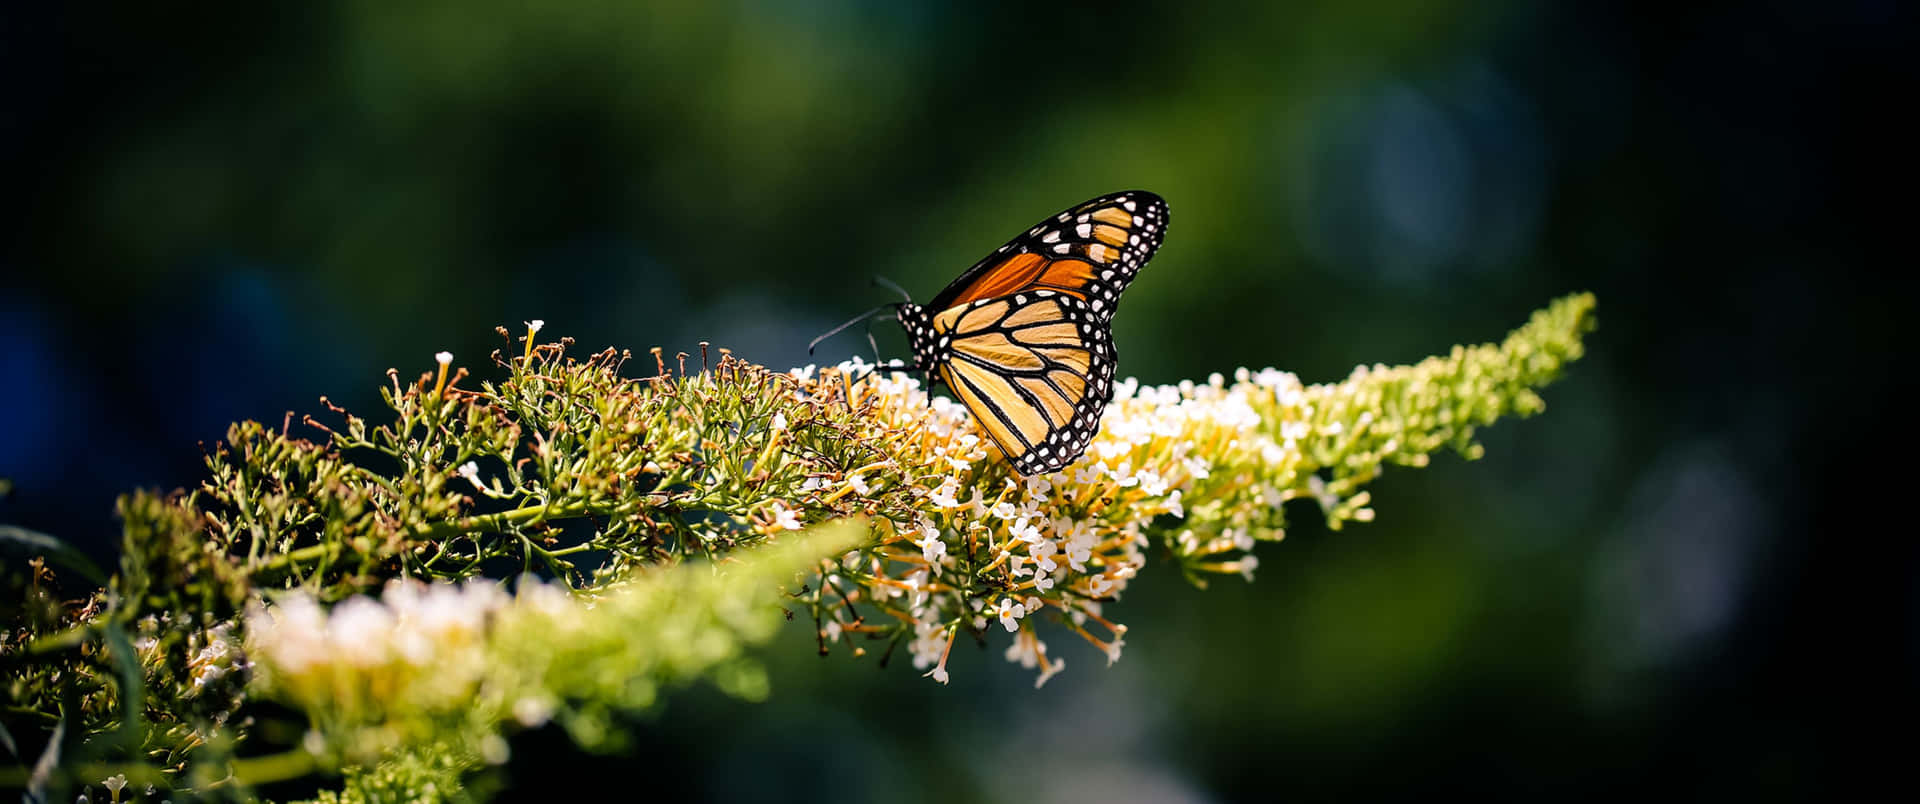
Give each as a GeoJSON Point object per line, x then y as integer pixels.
{"type": "Point", "coordinates": [1247, 565]}
{"type": "Point", "coordinates": [534, 326]}
{"type": "Point", "coordinates": [1052, 669]}
{"type": "Point", "coordinates": [443, 358]}
{"type": "Point", "coordinates": [1328, 499]}
{"type": "Point", "coordinates": [785, 518]}
{"type": "Point", "coordinates": [1173, 505]}
{"type": "Point", "coordinates": [943, 498]}
{"type": "Point", "coordinates": [532, 712]}
{"type": "Point", "coordinates": [1010, 613]}
{"type": "Point", "coordinates": [932, 548]}
{"type": "Point", "coordinates": [471, 471]}
{"type": "Point", "coordinates": [1152, 483]}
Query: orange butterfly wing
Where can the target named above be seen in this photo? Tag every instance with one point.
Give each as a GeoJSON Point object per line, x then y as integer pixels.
{"type": "Point", "coordinates": [1091, 251]}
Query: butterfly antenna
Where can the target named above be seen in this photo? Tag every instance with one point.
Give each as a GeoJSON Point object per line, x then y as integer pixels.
{"type": "Point", "coordinates": [871, 342]}
{"type": "Point", "coordinates": [837, 330]}
{"type": "Point", "coordinates": [881, 281]}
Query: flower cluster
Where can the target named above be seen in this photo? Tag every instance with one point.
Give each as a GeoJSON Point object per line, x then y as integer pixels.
{"type": "Point", "coordinates": [419, 643]}
{"type": "Point", "coordinates": [1203, 468]}
{"type": "Point", "coordinates": [428, 660]}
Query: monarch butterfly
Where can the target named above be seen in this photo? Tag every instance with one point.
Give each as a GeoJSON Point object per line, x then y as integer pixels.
{"type": "Point", "coordinates": [1024, 338]}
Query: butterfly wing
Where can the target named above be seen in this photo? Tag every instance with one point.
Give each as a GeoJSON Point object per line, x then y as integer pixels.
{"type": "Point", "coordinates": [1091, 250]}
{"type": "Point", "coordinates": [1036, 370]}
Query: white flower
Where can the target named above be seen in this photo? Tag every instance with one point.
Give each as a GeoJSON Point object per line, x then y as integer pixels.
{"type": "Point", "coordinates": [1010, 613]}
{"type": "Point", "coordinates": [931, 547]}
{"type": "Point", "coordinates": [358, 631]}
{"type": "Point", "coordinates": [1327, 498]}
{"type": "Point", "coordinates": [114, 783]}
{"type": "Point", "coordinates": [779, 421]}
{"type": "Point", "coordinates": [1023, 530]}
{"type": "Point", "coordinates": [928, 644]}
{"type": "Point", "coordinates": [1247, 565]}
{"type": "Point", "coordinates": [532, 711]}
{"type": "Point", "coordinates": [1003, 510]}
{"type": "Point", "coordinates": [1043, 553]}
{"type": "Point", "coordinates": [1025, 650]}
{"type": "Point", "coordinates": [1113, 650]}
{"type": "Point", "coordinates": [1049, 671]}
{"type": "Point", "coordinates": [534, 326]}
{"type": "Point", "coordinates": [471, 471]}
{"type": "Point", "coordinates": [1152, 483]}
{"type": "Point", "coordinates": [1173, 505]}
{"type": "Point", "coordinates": [444, 358]}
{"type": "Point", "coordinates": [943, 498]}
{"type": "Point", "coordinates": [786, 518]}
{"type": "Point", "coordinates": [917, 583]}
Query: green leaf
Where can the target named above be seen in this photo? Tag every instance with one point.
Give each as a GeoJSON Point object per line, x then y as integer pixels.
{"type": "Point", "coordinates": [132, 682]}
{"type": "Point", "coordinates": [32, 542]}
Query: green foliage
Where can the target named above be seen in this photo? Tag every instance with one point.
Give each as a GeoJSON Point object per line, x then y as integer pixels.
{"type": "Point", "coordinates": [256, 587]}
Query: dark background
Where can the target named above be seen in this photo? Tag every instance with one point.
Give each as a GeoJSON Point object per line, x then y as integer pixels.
{"type": "Point", "coordinates": [1665, 585]}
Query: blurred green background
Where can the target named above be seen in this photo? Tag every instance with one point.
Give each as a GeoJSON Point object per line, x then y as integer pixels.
{"type": "Point", "coordinates": [226, 211]}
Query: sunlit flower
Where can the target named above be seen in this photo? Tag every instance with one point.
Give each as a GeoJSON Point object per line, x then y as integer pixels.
{"type": "Point", "coordinates": [785, 518]}
{"type": "Point", "coordinates": [943, 497]}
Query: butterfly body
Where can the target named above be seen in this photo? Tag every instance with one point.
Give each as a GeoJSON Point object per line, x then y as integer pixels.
{"type": "Point", "coordinates": [1024, 337]}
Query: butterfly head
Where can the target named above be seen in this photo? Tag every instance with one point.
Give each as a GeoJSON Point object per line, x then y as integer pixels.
{"type": "Point", "coordinates": [918, 322]}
